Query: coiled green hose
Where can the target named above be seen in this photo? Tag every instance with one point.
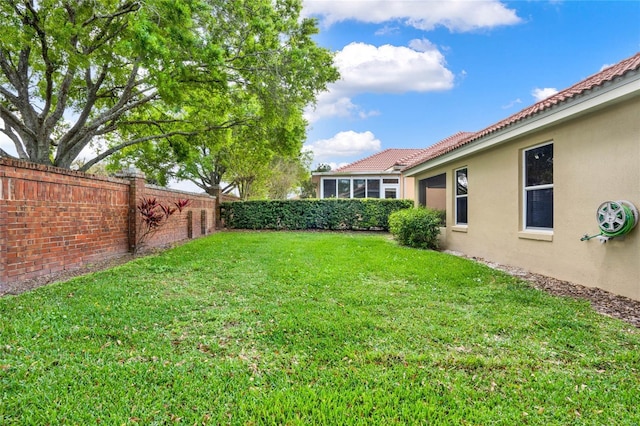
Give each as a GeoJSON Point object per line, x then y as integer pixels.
{"type": "Point", "coordinates": [629, 223]}
{"type": "Point", "coordinates": [615, 219]}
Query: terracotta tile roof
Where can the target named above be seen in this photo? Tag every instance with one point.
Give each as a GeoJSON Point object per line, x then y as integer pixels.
{"type": "Point", "coordinates": [598, 79]}
{"type": "Point", "coordinates": [381, 161]}
{"type": "Point", "coordinates": [439, 148]}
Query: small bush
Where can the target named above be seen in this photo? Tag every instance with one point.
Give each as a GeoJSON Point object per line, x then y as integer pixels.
{"type": "Point", "coordinates": [418, 227]}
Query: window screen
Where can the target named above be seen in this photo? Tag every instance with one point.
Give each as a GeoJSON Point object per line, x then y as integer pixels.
{"type": "Point", "coordinates": [329, 188]}
{"type": "Point", "coordinates": [538, 178]}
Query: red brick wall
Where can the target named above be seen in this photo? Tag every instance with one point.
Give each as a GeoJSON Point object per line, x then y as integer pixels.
{"type": "Point", "coordinates": [177, 227]}
{"type": "Point", "coordinates": [53, 219]}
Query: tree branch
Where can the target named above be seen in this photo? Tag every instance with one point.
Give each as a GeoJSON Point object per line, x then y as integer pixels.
{"type": "Point", "coordinates": [10, 96]}
{"type": "Point", "coordinates": [61, 104]}
{"type": "Point", "coordinates": [123, 145]}
{"type": "Point", "coordinates": [34, 22]}
{"type": "Point", "coordinates": [9, 118]}
{"type": "Point", "coordinates": [92, 89]}
{"type": "Point", "coordinates": [227, 189]}
{"type": "Point", "coordinates": [75, 143]}
{"type": "Point", "coordinates": [202, 184]}
{"type": "Point", "coordinates": [80, 134]}
{"type": "Point", "coordinates": [9, 71]}
{"type": "Point", "coordinates": [129, 7]}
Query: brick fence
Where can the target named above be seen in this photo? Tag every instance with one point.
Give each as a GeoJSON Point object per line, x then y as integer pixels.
{"type": "Point", "coordinates": [53, 219]}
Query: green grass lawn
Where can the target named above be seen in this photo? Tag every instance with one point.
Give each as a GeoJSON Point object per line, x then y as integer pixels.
{"type": "Point", "coordinates": [310, 328]}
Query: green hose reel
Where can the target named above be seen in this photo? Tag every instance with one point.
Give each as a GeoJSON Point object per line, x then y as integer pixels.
{"type": "Point", "coordinates": [615, 219]}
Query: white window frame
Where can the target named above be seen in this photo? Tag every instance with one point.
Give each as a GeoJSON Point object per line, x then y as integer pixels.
{"type": "Point", "coordinates": [322, 181]}
{"type": "Point", "coordinates": [380, 190]}
{"type": "Point", "coordinates": [353, 187]}
{"type": "Point", "coordinates": [382, 187]}
{"type": "Point", "coordinates": [526, 189]}
{"type": "Point", "coordinates": [390, 188]}
{"type": "Point", "coordinates": [456, 196]}
{"type": "Point", "coordinates": [350, 188]}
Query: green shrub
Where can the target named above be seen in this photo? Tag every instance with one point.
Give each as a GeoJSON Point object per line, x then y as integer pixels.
{"type": "Point", "coordinates": [328, 214]}
{"type": "Point", "coordinates": [417, 227]}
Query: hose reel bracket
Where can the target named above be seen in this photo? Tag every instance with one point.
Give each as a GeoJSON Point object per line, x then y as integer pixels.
{"type": "Point", "coordinates": [615, 219]}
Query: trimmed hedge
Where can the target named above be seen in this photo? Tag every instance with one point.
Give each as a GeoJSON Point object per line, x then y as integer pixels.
{"type": "Point", "coordinates": [417, 227]}
{"type": "Point", "coordinates": [328, 214]}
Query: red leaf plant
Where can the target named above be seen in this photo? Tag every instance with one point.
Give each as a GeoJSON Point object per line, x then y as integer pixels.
{"type": "Point", "coordinates": [154, 214]}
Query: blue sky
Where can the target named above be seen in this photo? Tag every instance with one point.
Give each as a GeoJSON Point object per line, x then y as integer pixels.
{"type": "Point", "coordinates": [417, 71]}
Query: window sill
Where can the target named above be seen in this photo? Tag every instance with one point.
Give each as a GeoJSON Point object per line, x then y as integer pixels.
{"type": "Point", "coordinates": [459, 228]}
{"type": "Point", "coordinates": [536, 235]}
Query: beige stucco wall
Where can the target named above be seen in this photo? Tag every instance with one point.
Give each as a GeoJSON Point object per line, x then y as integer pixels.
{"type": "Point", "coordinates": [316, 182]}
{"type": "Point", "coordinates": [436, 198]}
{"type": "Point", "coordinates": [406, 187]}
{"type": "Point", "coordinates": [596, 159]}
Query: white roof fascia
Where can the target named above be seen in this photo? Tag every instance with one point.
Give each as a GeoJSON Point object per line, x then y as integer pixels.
{"type": "Point", "coordinates": [338, 174]}
{"type": "Point", "coordinates": [598, 97]}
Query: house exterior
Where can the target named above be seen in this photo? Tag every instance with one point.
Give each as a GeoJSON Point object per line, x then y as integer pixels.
{"type": "Point", "coordinates": [525, 190]}
{"type": "Point", "coordinates": [377, 176]}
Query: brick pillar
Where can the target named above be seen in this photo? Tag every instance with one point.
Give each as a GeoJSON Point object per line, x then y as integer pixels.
{"type": "Point", "coordinates": [136, 192]}
{"type": "Point", "coordinates": [3, 230]}
{"type": "Point", "coordinates": [215, 192]}
{"type": "Point", "coordinates": [217, 218]}
{"type": "Point", "coordinates": [190, 224]}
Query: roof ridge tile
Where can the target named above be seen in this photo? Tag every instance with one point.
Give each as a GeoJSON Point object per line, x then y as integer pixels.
{"type": "Point", "coordinates": [380, 161]}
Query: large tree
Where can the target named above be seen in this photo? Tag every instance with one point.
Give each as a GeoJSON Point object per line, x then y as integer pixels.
{"type": "Point", "coordinates": [242, 152]}
{"type": "Point", "coordinates": [289, 176]}
{"type": "Point", "coordinates": [121, 73]}
{"type": "Point", "coordinates": [277, 69]}
{"type": "Point", "coordinates": [250, 159]}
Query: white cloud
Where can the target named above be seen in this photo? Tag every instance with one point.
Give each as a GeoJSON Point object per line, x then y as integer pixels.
{"type": "Point", "coordinates": [512, 103]}
{"type": "Point", "coordinates": [344, 144]}
{"type": "Point", "coordinates": [422, 45]}
{"type": "Point", "coordinates": [365, 68]}
{"type": "Point", "coordinates": [387, 30]}
{"type": "Point", "coordinates": [540, 94]}
{"type": "Point", "coordinates": [329, 105]}
{"type": "Point", "coordinates": [367, 114]}
{"type": "Point", "coordinates": [456, 15]}
{"type": "Point", "coordinates": [332, 104]}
